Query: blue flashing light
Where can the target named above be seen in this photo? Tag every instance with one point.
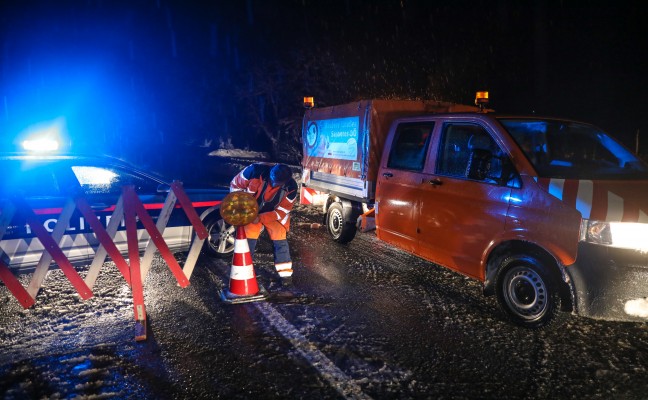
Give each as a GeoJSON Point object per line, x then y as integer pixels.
{"type": "Point", "coordinates": [44, 137]}
{"type": "Point", "coordinates": [40, 145]}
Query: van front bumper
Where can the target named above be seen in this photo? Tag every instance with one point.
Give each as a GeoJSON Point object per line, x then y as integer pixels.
{"type": "Point", "coordinates": [610, 283]}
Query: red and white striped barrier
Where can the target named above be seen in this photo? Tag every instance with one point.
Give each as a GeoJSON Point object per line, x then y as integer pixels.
{"type": "Point", "coordinates": [128, 209]}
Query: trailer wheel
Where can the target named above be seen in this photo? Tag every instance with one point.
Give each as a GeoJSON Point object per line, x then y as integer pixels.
{"type": "Point", "coordinates": [341, 230]}
{"type": "Point", "coordinates": [220, 242]}
{"type": "Point", "coordinates": [527, 292]}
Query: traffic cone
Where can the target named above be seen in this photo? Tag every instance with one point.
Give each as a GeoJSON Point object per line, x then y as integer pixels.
{"type": "Point", "coordinates": [243, 286]}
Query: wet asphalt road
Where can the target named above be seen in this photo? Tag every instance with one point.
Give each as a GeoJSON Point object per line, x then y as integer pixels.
{"type": "Point", "coordinates": [361, 321]}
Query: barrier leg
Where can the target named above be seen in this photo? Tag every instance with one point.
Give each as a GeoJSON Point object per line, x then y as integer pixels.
{"type": "Point", "coordinates": [7, 211]}
{"type": "Point", "coordinates": [15, 287]}
{"type": "Point", "coordinates": [192, 256]}
{"type": "Point", "coordinates": [161, 224]}
{"type": "Point", "coordinates": [135, 272]}
{"type": "Point", "coordinates": [44, 263]}
{"type": "Point", "coordinates": [102, 252]}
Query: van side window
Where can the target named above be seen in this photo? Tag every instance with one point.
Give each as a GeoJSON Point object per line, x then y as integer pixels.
{"type": "Point", "coordinates": [468, 151]}
{"type": "Point", "coordinates": [410, 145]}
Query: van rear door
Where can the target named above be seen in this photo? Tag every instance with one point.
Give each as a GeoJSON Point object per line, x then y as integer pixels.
{"type": "Point", "coordinates": [399, 179]}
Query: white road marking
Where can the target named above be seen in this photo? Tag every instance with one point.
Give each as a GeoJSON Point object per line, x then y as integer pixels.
{"type": "Point", "coordinates": [327, 369]}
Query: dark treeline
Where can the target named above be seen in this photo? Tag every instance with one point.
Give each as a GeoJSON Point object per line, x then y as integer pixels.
{"type": "Point", "coordinates": [153, 79]}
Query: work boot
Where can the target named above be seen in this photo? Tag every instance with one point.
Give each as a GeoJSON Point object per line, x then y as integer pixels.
{"type": "Point", "coordinates": [287, 281]}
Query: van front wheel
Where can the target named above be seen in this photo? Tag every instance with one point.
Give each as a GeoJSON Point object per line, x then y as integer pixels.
{"type": "Point", "coordinates": [527, 293]}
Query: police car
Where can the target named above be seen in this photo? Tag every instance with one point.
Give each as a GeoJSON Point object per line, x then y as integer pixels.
{"type": "Point", "coordinates": [47, 182]}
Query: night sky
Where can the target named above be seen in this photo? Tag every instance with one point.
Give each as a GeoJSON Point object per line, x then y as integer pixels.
{"type": "Point", "coordinates": [185, 76]}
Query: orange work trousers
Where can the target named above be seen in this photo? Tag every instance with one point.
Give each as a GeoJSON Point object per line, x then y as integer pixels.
{"type": "Point", "coordinates": [275, 230]}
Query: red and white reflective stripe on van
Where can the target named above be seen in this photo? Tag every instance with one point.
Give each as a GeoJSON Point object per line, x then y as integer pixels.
{"type": "Point", "coordinates": [595, 200]}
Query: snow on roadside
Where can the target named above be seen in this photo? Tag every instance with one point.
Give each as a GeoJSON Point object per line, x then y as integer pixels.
{"type": "Point", "coordinates": [238, 153]}
{"type": "Point", "coordinates": [240, 157]}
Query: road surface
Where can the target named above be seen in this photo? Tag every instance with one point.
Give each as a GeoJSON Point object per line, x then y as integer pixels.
{"type": "Point", "coordinates": [361, 321]}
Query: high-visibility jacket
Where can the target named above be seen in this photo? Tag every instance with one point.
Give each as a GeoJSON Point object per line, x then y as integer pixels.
{"type": "Point", "coordinates": [275, 204]}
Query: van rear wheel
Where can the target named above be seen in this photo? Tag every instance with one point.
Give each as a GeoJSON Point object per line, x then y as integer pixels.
{"type": "Point", "coordinates": [341, 230]}
{"type": "Point", "coordinates": [527, 292]}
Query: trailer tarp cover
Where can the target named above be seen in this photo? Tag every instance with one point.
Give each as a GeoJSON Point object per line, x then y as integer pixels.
{"type": "Point", "coordinates": [348, 140]}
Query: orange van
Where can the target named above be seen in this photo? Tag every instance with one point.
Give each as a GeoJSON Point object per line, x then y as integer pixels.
{"type": "Point", "coordinates": [550, 214]}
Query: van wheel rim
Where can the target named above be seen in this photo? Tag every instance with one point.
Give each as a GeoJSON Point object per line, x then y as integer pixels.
{"type": "Point", "coordinates": [526, 293]}
{"type": "Point", "coordinates": [335, 222]}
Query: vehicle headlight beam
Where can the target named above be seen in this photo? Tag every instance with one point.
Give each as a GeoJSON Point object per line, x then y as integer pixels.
{"type": "Point", "coordinates": [627, 235]}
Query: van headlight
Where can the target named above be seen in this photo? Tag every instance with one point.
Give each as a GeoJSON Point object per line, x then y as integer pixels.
{"type": "Point", "coordinates": [626, 235]}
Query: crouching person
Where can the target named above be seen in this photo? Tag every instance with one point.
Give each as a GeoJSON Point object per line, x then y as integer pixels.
{"type": "Point", "coordinates": [275, 191]}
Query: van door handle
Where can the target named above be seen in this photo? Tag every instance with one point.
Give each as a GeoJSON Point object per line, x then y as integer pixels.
{"type": "Point", "coordinates": [388, 174]}
{"type": "Point", "coordinates": [435, 182]}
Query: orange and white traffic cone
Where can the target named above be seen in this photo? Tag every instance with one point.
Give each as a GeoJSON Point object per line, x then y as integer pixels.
{"type": "Point", "coordinates": [243, 286]}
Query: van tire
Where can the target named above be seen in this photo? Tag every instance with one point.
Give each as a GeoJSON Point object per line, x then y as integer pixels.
{"type": "Point", "coordinates": [220, 242]}
{"type": "Point", "coordinates": [341, 230]}
{"type": "Point", "coordinates": [527, 292]}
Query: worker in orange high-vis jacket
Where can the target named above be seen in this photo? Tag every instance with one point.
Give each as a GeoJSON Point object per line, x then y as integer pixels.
{"type": "Point", "coordinates": [275, 191]}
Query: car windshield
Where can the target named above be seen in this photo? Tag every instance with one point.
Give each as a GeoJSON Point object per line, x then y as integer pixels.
{"type": "Point", "coordinates": [571, 150]}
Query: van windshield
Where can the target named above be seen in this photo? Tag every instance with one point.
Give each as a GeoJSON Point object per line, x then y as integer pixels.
{"type": "Point", "coordinates": [571, 150]}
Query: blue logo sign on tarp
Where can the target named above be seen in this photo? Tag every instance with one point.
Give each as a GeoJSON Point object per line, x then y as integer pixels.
{"type": "Point", "coordinates": [333, 138]}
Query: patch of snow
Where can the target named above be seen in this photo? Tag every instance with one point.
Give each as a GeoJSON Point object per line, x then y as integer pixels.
{"type": "Point", "coordinates": [637, 307]}
{"type": "Point", "coordinates": [238, 153]}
